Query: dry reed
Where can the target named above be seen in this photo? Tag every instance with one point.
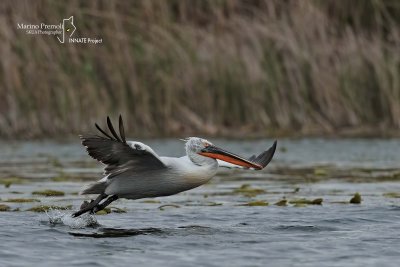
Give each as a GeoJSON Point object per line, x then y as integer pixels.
{"type": "Point", "coordinates": [221, 67]}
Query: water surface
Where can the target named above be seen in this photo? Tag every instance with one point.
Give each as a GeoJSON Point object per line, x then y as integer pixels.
{"type": "Point", "coordinates": [212, 225]}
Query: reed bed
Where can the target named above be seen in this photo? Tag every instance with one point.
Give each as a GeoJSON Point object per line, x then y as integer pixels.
{"type": "Point", "coordinates": [203, 67]}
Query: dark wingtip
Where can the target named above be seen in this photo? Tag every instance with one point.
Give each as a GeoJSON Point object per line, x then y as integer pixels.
{"type": "Point", "coordinates": [121, 129]}
{"type": "Point", "coordinates": [110, 126]}
{"type": "Point", "coordinates": [102, 131]}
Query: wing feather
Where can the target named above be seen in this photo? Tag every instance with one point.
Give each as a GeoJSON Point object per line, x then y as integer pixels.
{"type": "Point", "coordinates": [118, 155]}
{"type": "Point", "coordinates": [110, 126]}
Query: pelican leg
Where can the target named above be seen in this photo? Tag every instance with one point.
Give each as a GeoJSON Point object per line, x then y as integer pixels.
{"type": "Point", "coordinates": [105, 203]}
{"type": "Point", "coordinates": [86, 206]}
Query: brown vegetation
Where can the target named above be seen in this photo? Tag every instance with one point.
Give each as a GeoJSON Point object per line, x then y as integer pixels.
{"type": "Point", "coordinates": [203, 67]}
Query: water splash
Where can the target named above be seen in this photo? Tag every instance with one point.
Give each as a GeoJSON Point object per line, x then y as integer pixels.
{"type": "Point", "coordinates": [57, 217]}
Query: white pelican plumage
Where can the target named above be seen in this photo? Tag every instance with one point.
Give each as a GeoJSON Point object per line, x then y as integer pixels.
{"type": "Point", "coordinates": [133, 170]}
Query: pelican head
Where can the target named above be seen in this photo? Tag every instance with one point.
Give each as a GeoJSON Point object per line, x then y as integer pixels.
{"type": "Point", "coordinates": [202, 152]}
{"type": "Point", "coordinates": [194, 146]}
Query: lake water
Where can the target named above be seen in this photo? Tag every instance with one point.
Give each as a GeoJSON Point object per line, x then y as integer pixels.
{"type": "Point", "coordinates": [226, 222]}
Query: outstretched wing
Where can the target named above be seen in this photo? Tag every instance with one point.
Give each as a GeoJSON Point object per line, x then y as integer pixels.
{"type": "Point", "coordinates": [117, 154]}
{"type": "Point", "coordinates": [262, 160]}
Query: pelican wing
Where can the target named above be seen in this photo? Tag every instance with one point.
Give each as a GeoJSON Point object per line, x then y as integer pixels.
{"type": "Point", "coordinates": [262, 160]}
{"type": "Point", "coordinates": [117, 154]}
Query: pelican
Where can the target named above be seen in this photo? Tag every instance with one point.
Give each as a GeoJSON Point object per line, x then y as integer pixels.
{"type": "Point", "coordinates": [133, 170]}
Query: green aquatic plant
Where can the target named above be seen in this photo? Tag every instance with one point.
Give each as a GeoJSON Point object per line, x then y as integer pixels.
{"type": "Point", "coordinates": [117, 210]}
{"type": "Point", "coordinates": [7, 182]}
{"type": "Point", "coordinates": [4, 207]}
{"type": "Point", "coordinates": [212, 204]}
{"type": "Point", "coordinates": [49, 193]}
{"type": "Point", "coordinates": [320, 172]}
{"type": "Point", "coordinates": [356, 199]}
{"type": "Point", "coordinates": [282, 203]}
{"type": "Point", "coordinates": [45, 208]}
{"type": "Point", "coordinates": [151, 201]}
{"type": "Point", "coordinates": [162, 207]}
{"type": "Point", "coordinates": [255, 203]}
{"type": "Point", "coordinates": [22, 200]}
{"type": "Point", "coordinates": [104, 211]}
{"type": "Point", "coordinates": [317, 201]}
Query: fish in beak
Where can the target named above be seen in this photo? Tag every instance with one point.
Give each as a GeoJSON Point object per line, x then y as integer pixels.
{"type": "Point", "coordinates": [256, 162]}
